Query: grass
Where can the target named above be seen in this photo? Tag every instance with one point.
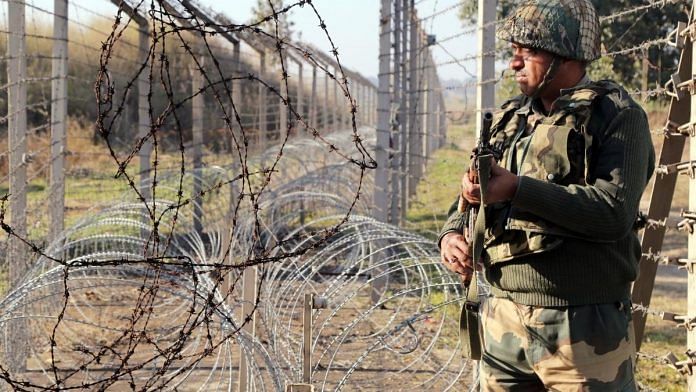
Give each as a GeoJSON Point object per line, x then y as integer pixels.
{"type": "Point", "coordinates": [662, 337]}
{"type": "Point", "coordinates": [441, 183]}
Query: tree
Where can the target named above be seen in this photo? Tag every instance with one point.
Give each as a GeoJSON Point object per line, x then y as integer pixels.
{"type": "Point", "coordinates": [622, 32]}
{"type": "Point", "coordinates": [264, 10]}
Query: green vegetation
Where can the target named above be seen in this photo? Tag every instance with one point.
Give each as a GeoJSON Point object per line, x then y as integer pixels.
{"type": "Point", "coordinates": [621, 33]}
{"type": "Point", "coordinates": [440, 185]}
{"type": "Point", "coordinates": [662, 337]}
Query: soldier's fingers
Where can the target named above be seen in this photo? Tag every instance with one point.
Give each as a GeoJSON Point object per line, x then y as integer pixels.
{"type": "Point", "coordinates": [456, 255]}
{"type": "Point", "coordinates": [460, 246]}
{"type": "Point", "coordinates": [471, 192]}
{"type": "Point", "coordinates": [466, 274]}
{"type": "Point", "coordinates": [455, 267]}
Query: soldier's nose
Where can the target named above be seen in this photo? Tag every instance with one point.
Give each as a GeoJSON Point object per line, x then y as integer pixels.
{"type": "Point", "coordinates": [516, 63]}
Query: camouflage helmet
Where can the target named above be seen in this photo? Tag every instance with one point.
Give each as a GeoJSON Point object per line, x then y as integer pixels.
{"type": "Point", "coordinates": [567, 28]}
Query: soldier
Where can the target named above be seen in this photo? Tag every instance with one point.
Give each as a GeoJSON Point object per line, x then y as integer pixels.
{"type": "Point", "coordinates": [559, 248]}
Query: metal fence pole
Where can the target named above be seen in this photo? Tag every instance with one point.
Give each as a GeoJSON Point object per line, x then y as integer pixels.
{"type": "Point", "coordinates": [394, 216]}
{"type": "Point", "coordinates": [249, 277]}
{"type": "Point", "coordinates": [423, 67]}
{"type": "Point", "coordinates": [263, 102]}
{"type": "Point", "coordinates": [143, 113]}
{"type": "Point", "coordinates": [59, 116]}
{"type": "Point", "coordinates": [357, 99]}
{"type": "Point", "coordinates": [336, 120]}
{"type": "Point", "coordinates": [348, 120]}
{"type": "Point", "coordinates": [368, 103]}
{"type": "Point", "coordinates": [234, 187]}
{"type": "Point", "coordinates": [283, 89]}
{"type": "Point", "coordinates": [382, 147]}
{"type": "Point", "coordinates": [404, 108]}
{"type": "Point", "coordinates": [17, 128]}
{"type": "Point", "coordinates": [197, 107]}
{"type": "Point", "coordinates": [485, 90]}
{"type": "Point", "coordinates": [430, 128]}
{"type": "Point", "coordinates": [346, 117]}
{"type": "Point", "coordinates": [415, 103]}
{"type": "Point", "coordinates": [374, 106]}
{"type": "Point", "coordinates": [691, 253]}
{"type": "Point", "coordinates": [442, 118]}
{"type": "Point", "coordinates": [661, 194]}
{"type": "Point", "coordinates": [325, 115]}
{"type": "Point", "coordinates": [364, 104]}
{"type": "Point", "coordinates": [300, 91]}
{"type": "Point", "coordinates": [313, 100]}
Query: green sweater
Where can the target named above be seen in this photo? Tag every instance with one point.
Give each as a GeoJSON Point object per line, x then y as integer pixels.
{"type": "Point", "coordinates": [598, 258]}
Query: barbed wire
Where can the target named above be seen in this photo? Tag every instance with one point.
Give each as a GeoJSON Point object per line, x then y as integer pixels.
{"type": "Point", "coordinates": [185, 34]}
{"type": "Point", "coordinates": [252, 181]}
{"type": "Point", "coordinates": [651, 4]}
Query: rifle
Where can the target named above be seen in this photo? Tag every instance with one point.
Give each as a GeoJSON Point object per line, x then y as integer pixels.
{"type": "Point", "coordinates": [482, 152]}
{"type": "Point", "coordinates": [479, 173]}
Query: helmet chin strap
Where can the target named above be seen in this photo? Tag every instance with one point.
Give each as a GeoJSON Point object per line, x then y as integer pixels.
{"type": "Point", "coordinates": [548, 77]}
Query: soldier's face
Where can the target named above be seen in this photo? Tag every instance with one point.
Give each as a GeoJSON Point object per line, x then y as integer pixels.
{"type": "Point", "coordinates": [530, 66]}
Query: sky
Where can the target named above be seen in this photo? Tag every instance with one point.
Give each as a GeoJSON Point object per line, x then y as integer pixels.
{"type": "Point", "coordinates": [352, 24]}
{"type": "Point", "coordinates": [354, 28]}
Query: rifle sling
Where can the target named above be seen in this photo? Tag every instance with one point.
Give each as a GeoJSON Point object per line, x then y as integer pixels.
{"type": "Point", "coordinates": [469, 326]}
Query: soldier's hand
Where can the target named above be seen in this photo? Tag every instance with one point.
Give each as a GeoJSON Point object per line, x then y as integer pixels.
{"type": "Point", "coordinates": [455, 254]}
{"type": "Point", "coordinates": [502, 185]}
{"type": "Point", "coordinates": [471, 191]}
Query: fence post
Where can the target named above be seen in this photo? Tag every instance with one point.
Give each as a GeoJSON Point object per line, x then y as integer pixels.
{"type": "Point", "coordinates": [17, 128]}
{"type": "Point", "coordinates": [416, 101]}
{"type": "Point", "coordinates": [382, 146]}
{"type": "Point", "coordinates": [691, 253]}
{"type": "Point", "coordinates": [197, 107]}
{"type": "Point", "coordinates": [485, 90]}
{"type": "Point", "coordinates": [300, 93]}
{"type": "Point", "coordinates": [374, 106]}
{"type": "Point", "coordinates": [235, 169]}
{"type": "Point", "coordinates": [442, 118]}
{"type": "Point", "coordinates": [430, 128]}
{"type": "Point", "coordinates": [262, 109]}
{"type": "Point", "coordinates": [661, 196]}
{"type": "Point", "coordinates": [325, 115]}
{"type": "Point", "coordinates": [59, 116]}
{"type": "Point", "coordinates": [349, 117]}
{"type": "Point", "coordinates": [404, 110]}
{"type": "Point", "coordinates": [284, 91]}
{"type": "Point", "coordinates": [249, 276]}
{"type": "Point", "coordinates": [313, 100]}
{"type": "Point", "coordinates": [357, 99]}
{"type": "Point", "coordinates": [395, 128]}
{"type": "Point", "coordinates": [143, 114]}
{"type": "Point", "coordinates": [365, 102]}
{"type": "Point", "coordinates": [336, 123]}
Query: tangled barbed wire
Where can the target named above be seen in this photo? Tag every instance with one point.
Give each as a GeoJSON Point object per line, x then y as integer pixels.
{"type": "Point", "coordinates": [191, 278]}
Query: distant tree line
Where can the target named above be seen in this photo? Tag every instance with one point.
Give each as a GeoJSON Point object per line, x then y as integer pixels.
{"type": "Point", "coordinates": [83, 66]}
{"type": "Point", "coordinates": [620, 33]}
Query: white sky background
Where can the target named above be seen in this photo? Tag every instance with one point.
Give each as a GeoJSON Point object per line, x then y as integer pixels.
{"type": "Point", "coordinates": [352, 24]}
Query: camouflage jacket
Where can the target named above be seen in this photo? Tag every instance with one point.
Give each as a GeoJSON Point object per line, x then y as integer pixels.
{"type": "Point", "coordinates": [576, 181]}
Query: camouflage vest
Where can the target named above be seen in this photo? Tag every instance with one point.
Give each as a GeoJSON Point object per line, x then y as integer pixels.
{"type": "Point", "coordinates": [559, 151]}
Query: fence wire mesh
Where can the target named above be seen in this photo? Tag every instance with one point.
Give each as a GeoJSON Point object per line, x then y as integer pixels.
{"type": "Point", "coordinates": [217, 171]}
